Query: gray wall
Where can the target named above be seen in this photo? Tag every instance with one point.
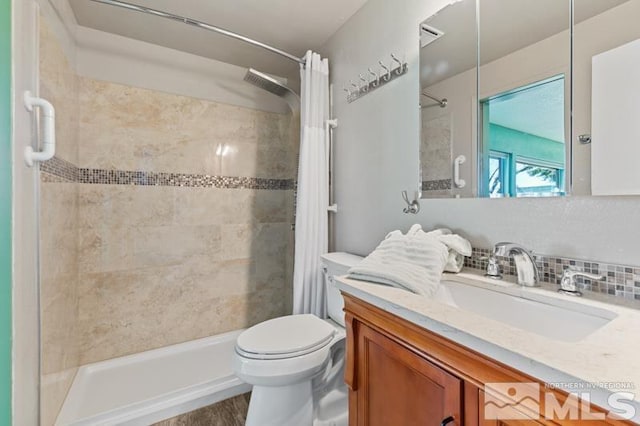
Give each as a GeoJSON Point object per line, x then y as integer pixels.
{"type": "Point", "coordinates": [377, 157]}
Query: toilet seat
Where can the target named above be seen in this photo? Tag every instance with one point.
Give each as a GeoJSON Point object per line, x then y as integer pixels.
{"type": "Point", "coordinates": [285, 337]}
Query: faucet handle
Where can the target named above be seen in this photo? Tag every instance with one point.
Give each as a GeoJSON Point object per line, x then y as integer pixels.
{"type": "Point", "coordinates": [568, 282]}
{"type": "Point", "coordinates": [493, 268]}
{"type": "Point", "coordinates": [573, 272]}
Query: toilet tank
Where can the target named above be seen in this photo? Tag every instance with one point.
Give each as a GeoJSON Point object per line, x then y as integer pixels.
{"type": "Point", "coordinates": [336, 264]}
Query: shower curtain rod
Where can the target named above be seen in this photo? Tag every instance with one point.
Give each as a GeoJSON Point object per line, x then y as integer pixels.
{"type": "Point", "coordinates": [200, 24]}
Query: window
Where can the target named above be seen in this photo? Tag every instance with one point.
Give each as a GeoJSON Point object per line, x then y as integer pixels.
{"type": "Point", "coordinates": [522, 149]}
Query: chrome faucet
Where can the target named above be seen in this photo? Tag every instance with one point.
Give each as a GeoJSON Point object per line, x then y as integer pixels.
{"type": "Point", "coordinates": [526, 268]}
{"type": "Point", "coordinates": [568, 282]}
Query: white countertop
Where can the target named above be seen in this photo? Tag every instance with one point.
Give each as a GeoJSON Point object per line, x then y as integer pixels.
{"type": "Point", "coordinates": [608, 356]}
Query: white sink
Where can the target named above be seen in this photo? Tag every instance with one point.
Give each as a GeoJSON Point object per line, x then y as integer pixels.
{"type": "Point", "coordinates": [555, 318]}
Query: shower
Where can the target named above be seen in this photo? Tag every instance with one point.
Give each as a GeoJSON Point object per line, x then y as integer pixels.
{"type": "Point", "coordinates": [274, 86]}
{"type": "Point", "coordinates": [217, 267]}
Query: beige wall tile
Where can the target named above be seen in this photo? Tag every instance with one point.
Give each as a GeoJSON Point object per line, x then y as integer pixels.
{"type": "Point", "coordinates": [239, 206]}
{"type": "Point", "coordinates": [129, 311]}
{"type": "Point", "coordinates": [105, 248]}
{"type": "Point", "coordinates": [58, 231]}
{"type": "Point", "coordinates": [171, 245]}
{"type": "Point", "coordinates": [273, 206]}
{"type": "Point", "coordinates": [102, 147]}
{"type": "Point", "coordinates": [241, 159]}
{"type": "Point", "coordinates": [220, 279]}
{"type": "Point", "coordinates": [202, 272]}
{"type": "Point", "coordinates": [132, 311]}
{"type": "Point", "coordinates": [202, 206]}
{"type": "Point", "coordinates": [130, 128]}
{"type": "Point", "coordinates": [180, 154]}
{"type": "Point", "coordinates": [59, 85]}
{"type": "Point", "coordinates": [276, 162]}
{"type": "Point", "coordinates": [104, 206]}
{"type": "Point", "coordinates": [59, 333]}
{"type": "Point", "coordinates": [238, 241]}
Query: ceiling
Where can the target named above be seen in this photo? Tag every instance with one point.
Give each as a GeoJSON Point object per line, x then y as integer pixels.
{"type": "Point", "coordinates": [538, 110]}
{"type": "Point", "coordinates": [294, 26]}
{"type": "Point", "coordinates": [505, 27]}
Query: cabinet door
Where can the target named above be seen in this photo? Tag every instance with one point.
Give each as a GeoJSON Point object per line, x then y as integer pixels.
{"type": "Point", "coordinates": [517, 417]}
{"type": "Point", "coordinates": [396, 386]}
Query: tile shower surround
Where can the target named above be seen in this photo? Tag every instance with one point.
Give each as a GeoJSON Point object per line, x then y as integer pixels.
{"type": "Point", "coordinates": [134, 258]}
{"type": "Point", "coordinates": [618, 280]}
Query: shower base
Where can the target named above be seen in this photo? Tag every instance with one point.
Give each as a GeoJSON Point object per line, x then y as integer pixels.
{"type": "Point", "coordinates": [151, 386]}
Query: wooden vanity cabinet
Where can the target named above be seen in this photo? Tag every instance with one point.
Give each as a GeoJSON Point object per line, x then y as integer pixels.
{"type": "Point", "coordinates": [398, 387]}
{"type": "Point", "coordinates": [400, 374]}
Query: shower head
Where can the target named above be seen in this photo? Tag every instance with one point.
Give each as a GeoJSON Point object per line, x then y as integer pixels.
{"type": "Point", "coordinates": [272, 85]}
{"type": "Point", "coordinates": [266, 82]}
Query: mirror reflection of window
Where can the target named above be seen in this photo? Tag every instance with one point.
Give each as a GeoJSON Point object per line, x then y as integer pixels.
{"type": "Point", "coordinates": [523, 141]}
{"type": "Point", "coordinates": [499, 174]}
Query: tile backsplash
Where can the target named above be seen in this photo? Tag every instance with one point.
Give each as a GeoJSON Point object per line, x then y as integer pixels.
{"type": "Point", "coordinates": [617, 280]}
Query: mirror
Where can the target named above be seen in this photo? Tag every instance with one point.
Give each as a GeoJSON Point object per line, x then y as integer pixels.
{"type": "Point", "coordinates": [448, 87]}
{"type": "Point", "coordinates": [606, 97]}
{"type": "Point", "coordinates": [496, 98]}
{"type": "Point", "coordinates": [524, 98]}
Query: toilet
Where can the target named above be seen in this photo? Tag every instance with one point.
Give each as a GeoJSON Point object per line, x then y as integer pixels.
{"type": "Point", "coordinates": [296, 362]}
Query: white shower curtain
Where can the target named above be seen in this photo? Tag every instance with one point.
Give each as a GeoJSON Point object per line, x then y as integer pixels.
{"type": "Point", "coordinates": [311, 237]}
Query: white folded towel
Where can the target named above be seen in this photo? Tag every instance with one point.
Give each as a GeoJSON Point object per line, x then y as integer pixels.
{"type": "Point", "coordinates": [403, 261]}
{"type": "Point", "coordinates": [414, 261]}
{"type": "Point", "coordinates": [458, 246]}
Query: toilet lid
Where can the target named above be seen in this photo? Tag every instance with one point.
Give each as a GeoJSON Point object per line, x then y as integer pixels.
{"type": "Point", "coordinates": [293, 334]}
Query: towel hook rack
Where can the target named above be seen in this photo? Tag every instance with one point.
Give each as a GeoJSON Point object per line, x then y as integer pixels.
{"type": "Point", "coordinates": [376, 80]}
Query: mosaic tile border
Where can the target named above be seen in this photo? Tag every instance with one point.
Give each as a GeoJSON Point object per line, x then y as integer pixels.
{"type": "Point", "coordinates": [58, 170]}
{"type": "Point", "coordinates": [618, 280]}
{"type": "Point", "coordinates": [436, 185]}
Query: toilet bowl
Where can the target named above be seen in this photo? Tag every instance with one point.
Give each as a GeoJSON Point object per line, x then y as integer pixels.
{"type": "Point", "coordinates": [296, 362]}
